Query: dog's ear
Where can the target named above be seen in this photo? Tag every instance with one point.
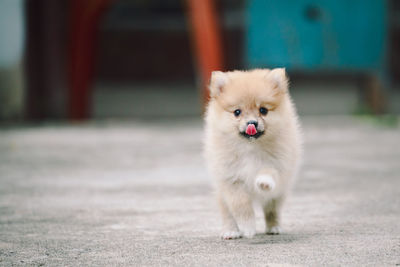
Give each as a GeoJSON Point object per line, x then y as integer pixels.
{"type": "Point", "coordinates": [218, 80]}
{"type": "Point", "coordinates": [278, 79]}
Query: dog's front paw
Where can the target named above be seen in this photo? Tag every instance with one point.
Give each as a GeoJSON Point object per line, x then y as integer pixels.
{"type": "Point", "coordinates": [231, 235]}
{"type": "Point", "coordinates": [265, 182]}
{"type": "Point", "coordinates": [275, 230]}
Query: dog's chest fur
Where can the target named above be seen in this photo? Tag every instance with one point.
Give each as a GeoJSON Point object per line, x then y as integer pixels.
{"type": "Point", "coordinates": [245, 159]}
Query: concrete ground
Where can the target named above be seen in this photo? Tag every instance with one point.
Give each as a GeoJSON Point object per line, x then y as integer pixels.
{"type": "Point", "coordinates": [136, 193]}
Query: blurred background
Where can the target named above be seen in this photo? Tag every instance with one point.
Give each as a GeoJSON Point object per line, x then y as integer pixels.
{"type": "Point", "coordinates": [101, 106]}
{"type": "Point", "coordinates": [96, 59]}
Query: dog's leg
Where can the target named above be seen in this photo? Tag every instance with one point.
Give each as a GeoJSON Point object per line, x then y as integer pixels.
{"type": "Point", "coordinates": [266, 181]}
{"type": "Point", "coordinates": [230, 229]}
{"type": "Point", "coordinates": [240, 206]}
{"type": "Point", "coordinates": [272, 216]}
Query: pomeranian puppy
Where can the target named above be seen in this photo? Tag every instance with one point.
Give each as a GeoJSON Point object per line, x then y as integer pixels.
{"type": "Point", "coordinates": [252, 146]}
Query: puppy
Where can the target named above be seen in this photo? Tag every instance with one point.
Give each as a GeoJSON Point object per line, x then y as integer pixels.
{"type": "Point", "coordinates": [252, 146]}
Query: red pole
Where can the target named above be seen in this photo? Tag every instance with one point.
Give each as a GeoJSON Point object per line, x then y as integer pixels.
{"type": "Point", "coordinates": [206, 40]}
{"type": "Point", "coordinates": [84, 21]}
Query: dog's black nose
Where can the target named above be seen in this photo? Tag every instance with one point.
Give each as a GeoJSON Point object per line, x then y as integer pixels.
{"type": "Point", "coordinates": [253, 122]}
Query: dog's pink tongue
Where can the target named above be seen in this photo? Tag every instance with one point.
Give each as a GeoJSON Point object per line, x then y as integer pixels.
{"type": "Point", "coordinates": [251, 129]}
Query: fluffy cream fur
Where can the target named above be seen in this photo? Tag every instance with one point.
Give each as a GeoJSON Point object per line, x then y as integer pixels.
{"type": "Point", "coordinates": [247, 169]}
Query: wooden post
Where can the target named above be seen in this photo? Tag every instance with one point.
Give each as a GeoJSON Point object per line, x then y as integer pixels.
{"type": "Point", "coordinates": [206, 40]}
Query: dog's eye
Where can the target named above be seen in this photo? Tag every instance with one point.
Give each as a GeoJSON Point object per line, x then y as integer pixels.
{"type": "Point", "coordinates": [237, 112]}
{"type": "Point", "coordinates": [263, 111]}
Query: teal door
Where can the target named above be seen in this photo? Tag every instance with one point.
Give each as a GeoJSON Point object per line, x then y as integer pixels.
{"type": "Point", "coordinates": [317, 35]}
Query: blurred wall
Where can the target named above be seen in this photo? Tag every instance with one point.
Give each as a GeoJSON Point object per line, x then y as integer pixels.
{"type": "Point", "coordinates": [11, 49]}
{"type": "Point", "coordinates": [139, 42]}
{"type": "Point", "coordinates": [149, 41]}
{"type": "Point", "coordinates": [46, 58]}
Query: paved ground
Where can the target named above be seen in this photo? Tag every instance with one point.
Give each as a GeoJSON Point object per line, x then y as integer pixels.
{"type": "Point", "coordinates": [137, 193]}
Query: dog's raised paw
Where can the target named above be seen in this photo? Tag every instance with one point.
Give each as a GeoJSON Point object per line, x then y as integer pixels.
{"type": "Point", "coordinates": [265, 182]}
{"type": "Point", "coordinates": [275, 230]}
{"type": "Point", "coordinates": [231, 235]}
